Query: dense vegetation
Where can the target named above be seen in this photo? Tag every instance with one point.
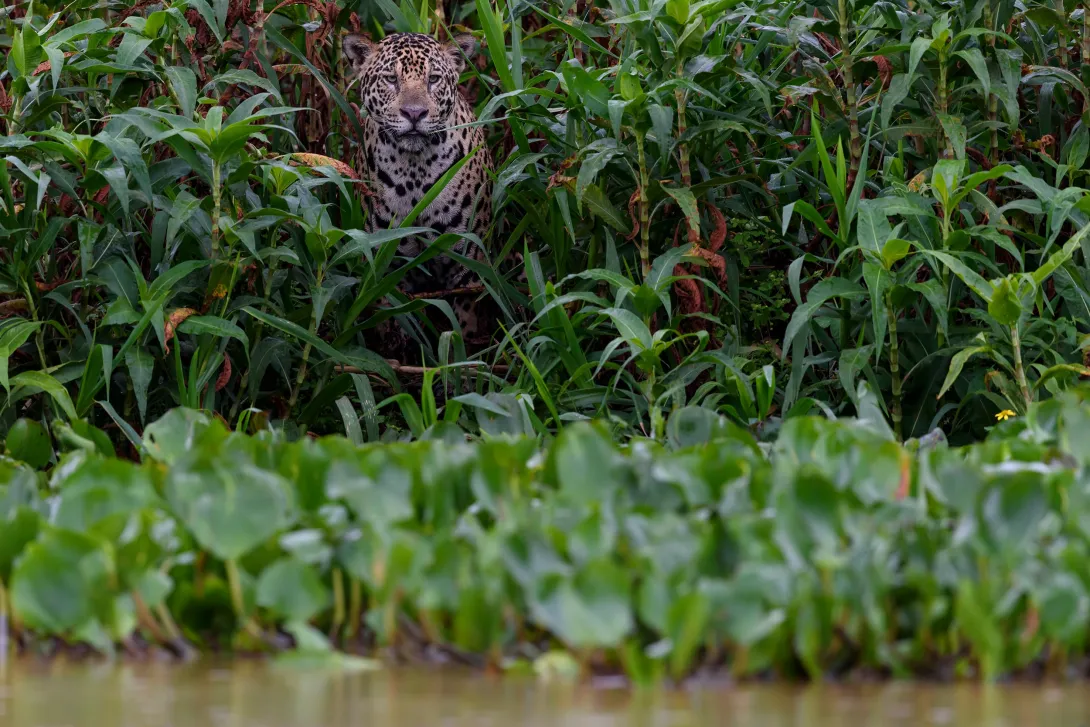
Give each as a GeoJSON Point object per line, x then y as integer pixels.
{"type": "Point", "coordinates": [839, 552]}
{"type": "Point", "coordinates": [732, 216]}
{"type": "Point", "coordinates": [744, 206]}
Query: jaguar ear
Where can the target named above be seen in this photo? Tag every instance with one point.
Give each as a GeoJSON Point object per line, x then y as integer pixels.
{"type": "Point", "coordinates": [357, 49]}
{"type": "Point", "coordinates": [461, 48]}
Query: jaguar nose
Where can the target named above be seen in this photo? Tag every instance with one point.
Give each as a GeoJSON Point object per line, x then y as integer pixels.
{"type": "Point", "coordinates": [414, 114]}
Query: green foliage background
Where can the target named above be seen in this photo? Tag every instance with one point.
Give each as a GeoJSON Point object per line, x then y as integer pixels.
{"type": "Point", "coordinates": [733, 216]}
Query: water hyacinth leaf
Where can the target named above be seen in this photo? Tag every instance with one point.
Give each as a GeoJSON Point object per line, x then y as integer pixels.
{"type": "Point", "coordinates": [98, 495]}
{"type": "Point", "coordinates": [229, 504]}
{"type": "Point", "coordinates": [1012, 510]}
{"type": "Point", "coordinates": [591, 610]}
{"type": "Point", "coordinates": [19, 526]}
{"type": "Point", "coordinates": [168, 438]}
{"type": "Point", "coordinates": [379, 494]}
{"type": "Point", "coordinates": [292, 589]}
{"type": "Point", "coordinates": [583, 463]}
{"type": "Point", "coordinates": [60, 582]}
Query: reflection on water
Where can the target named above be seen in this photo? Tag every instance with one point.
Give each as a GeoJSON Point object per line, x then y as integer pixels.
{"type": "Point", "coordinates": [254, 695]}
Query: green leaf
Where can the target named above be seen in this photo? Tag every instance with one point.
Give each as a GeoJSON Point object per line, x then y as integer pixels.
{"type": "Point", "coordinates": [956, 133]}
{"type": "Point", "coordinates": [60, 582]}
{"type": "Point", "coordinates": [183, 81]}
{"type": "Point", "coordinates": [36, 380]}
{"type": "Point", "coordinates": [292, 590]}
{"type": "Point", "coordinates": [893, 251]}
{"type": "Point", "coordinates": [26, 50]}
{"type": "Point", "coordinates": [583, 462]}
{"type": "Point", "coordinates": [957, 363]}
{"type": "Point", "coordinates": [29, 442]}
{"type": "Point", "coordinates": [919, 46]}
{"type": "Point", "coordinates": [247, 77]}
{"type": "Point", "coordinates": [602, 207]}
{"type": "Point", "coordinates": [591, 610]}
{"type": "Point", "coordinates": [378, 489]}
{"type": "Point", "coordinates": [976, 61]}
{"type": "Point", "coordinates": [228, 503]}
{"type": "Point", "coordinates": [819, 295]}
{"type": "Point", "coordinates": [13, 334]}
{"type": "Point", "coordinates": [976, 283]}
{"type": "Point", "coordinates": [686, 201]}
{"type": "Point", "coordinates": [215, 326]}
{"type": "Point", "coordinates": [141, 366]}
{"type": "Point", "coordinates": [586, 88]}
{"type": "Point", "coordinates": [899, 88]}
{"type": "Point", "coordinates": [1005, 307]}
{"type": "Point", "coordinates": [99, 495]}
{"type": "Point", "coordinates": [631, 328]}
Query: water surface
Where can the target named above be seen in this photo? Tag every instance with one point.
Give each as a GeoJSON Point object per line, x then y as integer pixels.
{"type": "Point", "coordinates": [252, 694]}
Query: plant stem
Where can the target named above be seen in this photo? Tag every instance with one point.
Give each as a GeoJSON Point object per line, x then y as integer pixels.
{"type": "Point", "coordinates": [894, 367]}
{"type": "Point", "coordinates": [681, 95]}
{"type": "Point", "coordinates": [355, 606]}
{"type": "Point", "coordinates": [993, 100]}
{"type": "Point", "coordinates": [39, 335]}
{"type": "Point", "coordinates": [217, 174]}
{"type": "Point", "coordinates": [856, 143]}
{"type": "Point", "coordinates": [235, 585]}
{"type": "Point", "coordinates": [1019, 370]}
{"type": "Point", "coordinates": [645, 233]}
{"type": "Point", "coordinates": [945, 276]}
{"type": "Point", "coordinates": [1061, 36]}
{"type": "Point", "coordinates": [338, 600]}
{"type": "Point", "coordinates": [944, 102]}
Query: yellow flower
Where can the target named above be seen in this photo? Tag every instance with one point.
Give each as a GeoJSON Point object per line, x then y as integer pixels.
{"type": "Point", "coordinates": [1005, 414]}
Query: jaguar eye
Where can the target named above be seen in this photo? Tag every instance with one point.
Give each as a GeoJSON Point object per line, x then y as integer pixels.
{"type": "Point", "coordinates": [390, 79]}
{"type": "Point", "coordinates": [434, 79]}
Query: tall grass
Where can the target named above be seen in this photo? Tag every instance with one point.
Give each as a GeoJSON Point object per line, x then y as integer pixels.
{"type": "Point", "coordinates": [181, 223]}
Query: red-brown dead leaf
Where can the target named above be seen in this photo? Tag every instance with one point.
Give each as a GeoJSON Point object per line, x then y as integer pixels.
{"type": "Point", "coordinates": [173, 321]}
{"type": "Point", "coordinates": [46, 66]}
{"type": "Point", "coordinates": [719, 232]}
{"type": "Point", "coordinates": [225, 374]}
{"type": "Point", "coordinates": [632, 202]}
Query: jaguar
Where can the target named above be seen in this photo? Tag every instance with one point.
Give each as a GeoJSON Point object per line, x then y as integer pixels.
{"type": "Point", "coordinates": [418, 124]}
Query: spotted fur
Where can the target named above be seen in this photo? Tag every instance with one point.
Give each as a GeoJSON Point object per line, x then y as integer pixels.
{"type": "Point", "coordinates": [409, 88]}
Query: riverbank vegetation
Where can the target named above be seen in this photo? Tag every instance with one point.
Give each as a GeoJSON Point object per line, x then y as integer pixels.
{"type": "Point", "coordinates": [826, 236]}
{"type": "Point", "coordinates": [836, 552]}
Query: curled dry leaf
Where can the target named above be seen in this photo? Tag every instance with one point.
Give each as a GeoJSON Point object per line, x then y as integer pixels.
{"type": "Point", "coordinates": [225, 374]}
{"type": "Point", "coordinates": [320, 160]}
{"type": "Point", "coordinates": [46, 66]}
{"type": "Point", "coordinates": [175, 320]}
{"type": "Point", "coordinates": [632, 202]}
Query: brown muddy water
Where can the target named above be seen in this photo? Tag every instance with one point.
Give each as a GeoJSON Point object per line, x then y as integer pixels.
{"type": "Point", "coordinates": [257, 695]}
